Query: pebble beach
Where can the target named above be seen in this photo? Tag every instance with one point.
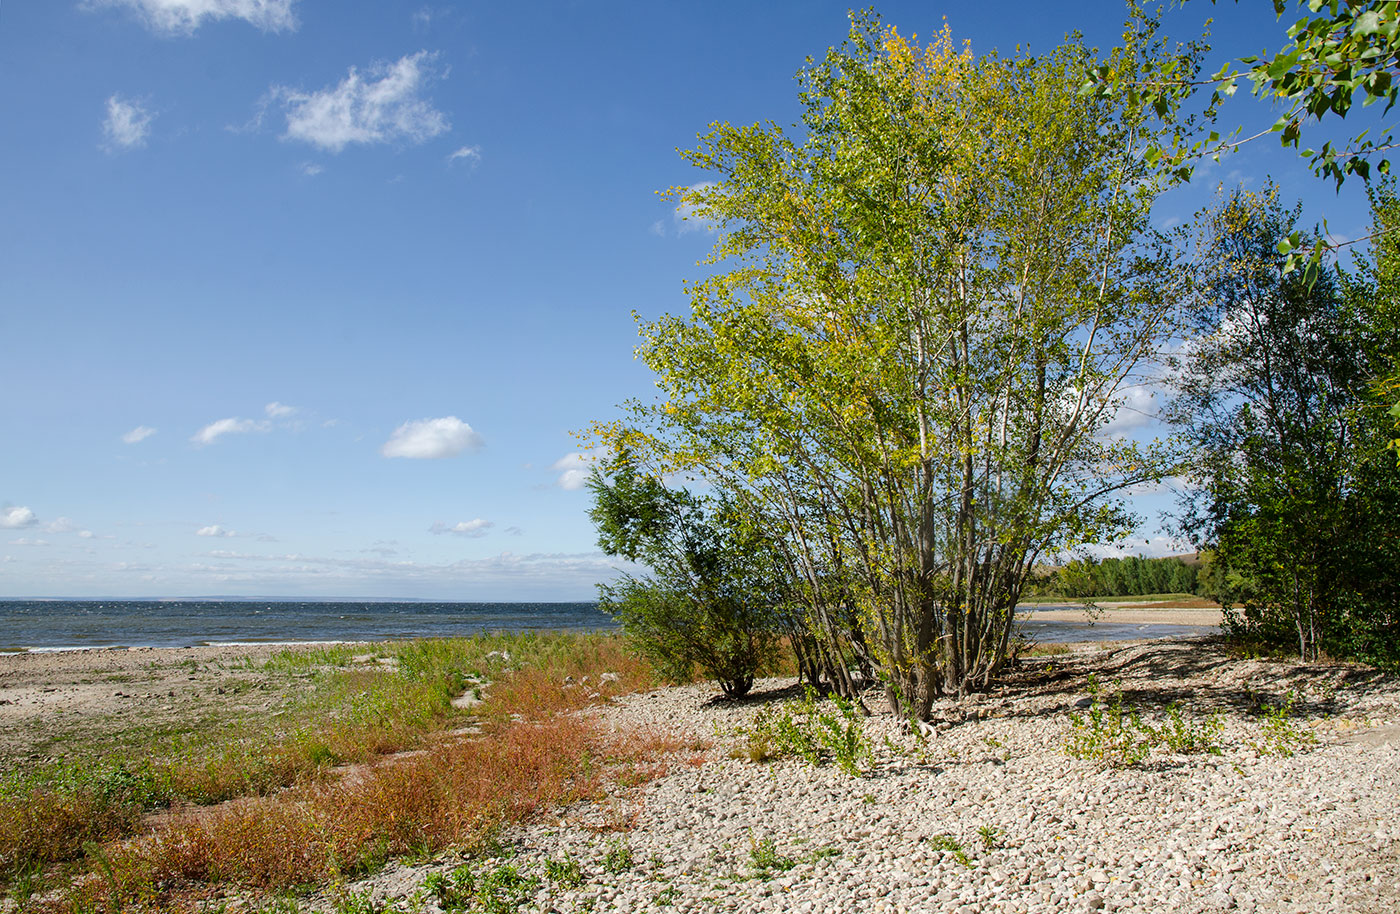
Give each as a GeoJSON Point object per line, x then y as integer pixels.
{"type": "Point", "coordinates": [990, 813]}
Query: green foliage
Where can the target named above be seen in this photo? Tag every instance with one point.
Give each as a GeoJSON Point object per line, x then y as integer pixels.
{"type": "Point", "coordinates": [932, 296]}
{"type": "Point", "coordinates": [1125, 577]}
{"type": "Point", "coordinates": [564, 873]}
{"type": "Point", "coordinates": [1299, 500]}
{"type": "Point", "coordinates": [1281, 734]}
{"type": "Point", "coordinates": [764, 859]}
{"type": "Point", "coordinates": [709, 602]}
{"type": "Point", "coordinates": [991, 837]}
{"type": "Point", "coordinates": [807, 730]}
{"type": "Point", "coordinates": [949, 844]}
{"type": "Point", "coordinates": [618, 859]}
{"type": "Point", "coordinates": [1185, 736]}
{"type": "Point", "coordinates": [505, 890]}
{"type": "Point", "coordinates": [1108, 733]}
{"type": "Point", "coordinates": [1340, 56]}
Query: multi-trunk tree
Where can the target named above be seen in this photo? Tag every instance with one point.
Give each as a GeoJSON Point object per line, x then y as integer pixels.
{"type": "Point", "coordinates": [932, 298]}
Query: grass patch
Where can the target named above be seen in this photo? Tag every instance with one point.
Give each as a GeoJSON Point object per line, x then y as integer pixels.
{"type": "Point", "coordinates": [286, 819]}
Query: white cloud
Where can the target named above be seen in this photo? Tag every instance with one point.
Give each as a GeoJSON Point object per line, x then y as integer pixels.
{"type": "Point", "coordinates": [687, 216]}
{"type": "Point", "coordinates": [574, 468]}
{"type": "Point", "coordinates": [471, 153]}
{"type": "Point", "coordinates": [430, 439]}
{"type": "Point", "coordinates": [277, 410]}
{"type": "Point", "coordinates": [1137, 407]}
{"type": "Point", "coordinates": [86, 534]}
{"type": "Point", "coordinates": [513, 531]}
{"type": "Point", "coordinates": [211, 432]}
{"type": "Point", "coordinates": [16, 517]}
{"type": "Point", "coordinates": [658, 228]}
{"type": "Point", "coordinates": [311, 169]}
{"type": "Point", "coordinates": [472, 528]}
{"type": "Point", "coordinates": [138, 434]}
{"type": "Point", "coordinates": [213, 530]}
{"type": "Point", "coordinates": [183, 17]}
{"type": "Point", "coordinates": [61, 525]}
{"type": "Point", "coordinates": [127, 125]}
{"type": "Point", "coordinates": [382, 106]}
{"type": "Point", "coordinates": [26, 541]}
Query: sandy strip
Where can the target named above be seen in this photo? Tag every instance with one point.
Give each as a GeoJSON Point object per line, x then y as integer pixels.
{"type": "Point", "coordinates": [1119, 614]}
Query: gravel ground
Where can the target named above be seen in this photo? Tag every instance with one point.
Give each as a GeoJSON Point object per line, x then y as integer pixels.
{"type": "Point", "coordinates": [990, 813]}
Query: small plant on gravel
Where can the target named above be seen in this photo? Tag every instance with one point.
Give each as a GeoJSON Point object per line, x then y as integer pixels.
{"type": "Point", "coordinates": [564, 873]}
{"type": "Point", "coordinates": [1281, 734]}
{"type": "Point", "coordinates": [363, 903]}
{"type": "Point", "coordinates": [804, 729]}
{"type": "Point", "coordinates": [667, 897]}
{"type": "Point", "coordinates": [1108, 734]}
{"type": "Point", "coordinates": [764, 859]}
{"type": "Point", "coordinates": [452, 891]}
{"type": "Point", "coordinates": [991, 837]}
{"type": "Point", "coordinates": [1182, 735]}
{"type": "Point", "coordinates": [505, 890]}
{"type": "Point", "coordinates": [619, 858]}
{"type": "Point", "coordinates": [950, 844]}
{"type": "Point", "coordinates": [824, 852]}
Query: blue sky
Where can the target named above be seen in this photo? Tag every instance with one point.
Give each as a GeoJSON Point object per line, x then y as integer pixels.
{"type": "Point", "coordinates": [302, 297]}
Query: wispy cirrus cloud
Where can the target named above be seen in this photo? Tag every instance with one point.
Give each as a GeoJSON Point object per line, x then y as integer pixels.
{"type": "Point", "coordinates": [472, 528]}
{"type": "Point", "coordinates": [231, 426]}
{"type": "Point", "coordinates": [277, 410]}
{"type": "Point", "coordinates": [385, 104]}
{"type": "Point", "coordinates": [126, 126]}
{"type": "Point", "coordinates": [214, 530]}
{"type": "Point", "coordinates": [471, 154]}
{"type": "Point", "coordinates": [432, 439]}
{"type": "Point", "coordinates": [184, 17]}
{"type": "Point", "coordinates": [138, 434]}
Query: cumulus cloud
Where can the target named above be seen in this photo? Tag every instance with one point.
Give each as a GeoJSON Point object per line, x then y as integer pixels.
{"type": "Point", "coordinates": [687, 216]}
{"type": "Point", "coordinates": [573, 469]}
{"type": "Point", "coordinates": [429, 439]}
{"type": "Point", "coordinates": [311, 169]}
{"type": "Point", "coordinates": [183, 17]}
{"type": "Point", "coordinates": [16, 517]}
{"type": "Point", "coordinates": [277, 410]}
{"type": "Point", "coordinates": [215, 430]}
{"type": "Point", "coordinates": [138, 434]}
{"type": "Point", "coordinates": [383, 105]}
{"type": "Point", "coordinates": [127, 125]}
{"type": "Point", "coordinates": [473, 528]}
{"type": "Point", "coordinates": [471, 153]}
{"type": "Point", "coordinates": [213, 530]}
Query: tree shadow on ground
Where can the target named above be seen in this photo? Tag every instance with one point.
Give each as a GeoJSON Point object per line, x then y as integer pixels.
{"type": "Point", "coordinates": [1202, 674]}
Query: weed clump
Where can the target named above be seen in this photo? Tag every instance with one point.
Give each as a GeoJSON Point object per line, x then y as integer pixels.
{"type": "Point", "coordinates": [804, 729]}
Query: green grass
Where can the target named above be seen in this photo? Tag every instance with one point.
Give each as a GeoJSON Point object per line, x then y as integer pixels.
{"type": "Point", "coordinates": [323, 710]}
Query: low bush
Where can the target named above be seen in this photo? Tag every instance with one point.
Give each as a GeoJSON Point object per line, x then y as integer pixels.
{"type": "Point", "coordinates": [806, 730]}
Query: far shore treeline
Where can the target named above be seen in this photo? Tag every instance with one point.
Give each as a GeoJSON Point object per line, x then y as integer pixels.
{"type": "Point", "coordinates": [894, 396]}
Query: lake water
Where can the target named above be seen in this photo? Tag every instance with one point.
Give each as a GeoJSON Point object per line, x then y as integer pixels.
{"type": "Point", "coordinates": [30, 625]}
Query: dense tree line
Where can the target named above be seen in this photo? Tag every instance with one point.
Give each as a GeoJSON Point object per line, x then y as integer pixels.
{"type": "Point", "coordinates": [1131, 576]}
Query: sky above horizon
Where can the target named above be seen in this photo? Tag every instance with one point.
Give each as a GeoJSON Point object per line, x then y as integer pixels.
{"type": "Point", "coordinates": [305, 298]}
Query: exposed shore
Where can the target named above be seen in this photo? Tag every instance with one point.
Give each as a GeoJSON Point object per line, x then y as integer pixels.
{"type": "Point", "coordinates": [1042, 832]}
{"type": "Point", "coordinates": [1245, 830]}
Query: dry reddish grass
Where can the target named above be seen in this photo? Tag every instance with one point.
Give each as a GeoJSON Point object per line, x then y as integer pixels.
{"type": "Point", "coordinates": [451, 793]}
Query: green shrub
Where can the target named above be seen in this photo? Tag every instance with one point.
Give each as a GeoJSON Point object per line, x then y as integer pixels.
{"type": "Point", "coordinates": [1107, 733]}
{"type": "Point", "coordinates": [804, 729]}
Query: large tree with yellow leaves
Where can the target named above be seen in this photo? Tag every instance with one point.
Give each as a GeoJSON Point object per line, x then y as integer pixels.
{"type": "Point", "coordinates": [930, 300]}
